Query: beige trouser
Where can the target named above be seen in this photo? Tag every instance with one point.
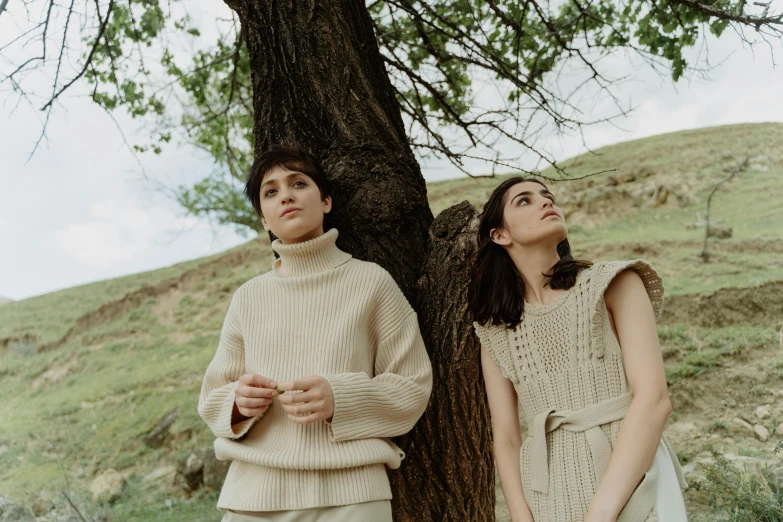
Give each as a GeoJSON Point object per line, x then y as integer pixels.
{"type": "Point", "coordinates": [376, 511]}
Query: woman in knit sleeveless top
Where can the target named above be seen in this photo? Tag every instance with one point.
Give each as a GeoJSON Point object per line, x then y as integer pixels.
{"type": "Point", "coordinates": [319, 362]}
{"type": "Point", "coordinates": [575, 344]}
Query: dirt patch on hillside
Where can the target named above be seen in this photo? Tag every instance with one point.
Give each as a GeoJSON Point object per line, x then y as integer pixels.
{"type": "Point", "coordinates": [55, 374]}
{"type": "Point", "coordinates": [660, 248]}
{"type": "Point", "coordinates": [706, 406]}
{"type": "Point", "coordinates": [119, 307]}
{"type": "Point", "coordinates": [761, 306]}
{"type": "Point", "coordinates": [166, 304]}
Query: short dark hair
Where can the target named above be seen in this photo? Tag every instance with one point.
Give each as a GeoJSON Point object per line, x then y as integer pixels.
{"type": "Point", "coordinates": [290, 155]}
{"type": "Point", "coordinates": [496, 293]}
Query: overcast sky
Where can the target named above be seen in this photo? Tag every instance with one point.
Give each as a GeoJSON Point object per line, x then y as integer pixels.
{"type": "Point", "coordinates": [81, 211]}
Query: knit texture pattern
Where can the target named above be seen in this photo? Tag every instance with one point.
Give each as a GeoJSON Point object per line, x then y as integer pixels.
{"type": "Point", "coordinates": [564, 357]}
{"type": "Point", "coordinates": [317, 312]}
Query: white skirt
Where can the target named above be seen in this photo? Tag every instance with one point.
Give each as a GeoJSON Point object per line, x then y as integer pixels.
{"type": "Point", "coordinates": [669, 504]}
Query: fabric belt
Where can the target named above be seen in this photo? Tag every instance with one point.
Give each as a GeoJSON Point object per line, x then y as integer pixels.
{"type": "Point", "coordinates": [589, 420]}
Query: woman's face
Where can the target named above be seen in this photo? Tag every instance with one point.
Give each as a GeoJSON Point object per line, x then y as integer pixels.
{"type": "Point", "coordinates": [530, 217]}
{"type": "Point", "coordinates": [291, 205]}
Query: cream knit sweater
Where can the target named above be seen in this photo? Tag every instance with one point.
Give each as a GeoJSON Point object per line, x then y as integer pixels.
{"type": "Point", "coordinates": [567, 368]}
{"type": "Point", "coordinates": [317, 312]}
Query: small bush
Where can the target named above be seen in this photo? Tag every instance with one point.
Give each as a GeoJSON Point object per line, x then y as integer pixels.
{"type": "Point", "coordinates": [24, 346]}
{"type": "Point", "coordinates": [745, 496]}
{"type": "Point", "coordinates": [718, 426]}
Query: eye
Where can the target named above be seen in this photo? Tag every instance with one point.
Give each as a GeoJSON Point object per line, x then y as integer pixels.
{"type": "Point", "coordinates": [524, 199]}
{"type": "Point", "coordinates": [269, 192]}
{"type": "Point", "coordinates": [300, 183]}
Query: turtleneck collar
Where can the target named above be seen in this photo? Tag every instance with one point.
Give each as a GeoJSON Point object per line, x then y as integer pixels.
{"type": "Point", "coordinates": [308, 257]}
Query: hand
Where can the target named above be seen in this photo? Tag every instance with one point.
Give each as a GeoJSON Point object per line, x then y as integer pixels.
{"type": "Point", "coordinates": [254, 394]}
{"type": "Point", "coordinates": [313, 404]}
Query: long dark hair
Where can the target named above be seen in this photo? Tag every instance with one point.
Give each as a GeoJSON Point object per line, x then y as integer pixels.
{"type": "Point", "coordinates": [497, 291]}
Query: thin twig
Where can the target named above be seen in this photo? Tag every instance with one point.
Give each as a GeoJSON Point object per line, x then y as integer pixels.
{"type": "Point", "coordinates": [88, 60]}
{"type": "Point", "coordinates": [56, 77]}
{"type": "Point", "coordinates": [67, 492]}
{"type": "Point", "coordinates": [705, 255]}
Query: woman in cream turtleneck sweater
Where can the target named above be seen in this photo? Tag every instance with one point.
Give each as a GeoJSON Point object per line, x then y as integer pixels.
{"type": "Point", "coordinates": [320, 361]}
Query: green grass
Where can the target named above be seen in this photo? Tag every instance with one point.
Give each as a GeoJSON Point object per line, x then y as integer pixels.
{"type": "Point", "coordinates": [741, 495]}
{"type": "Point", "coordinates": [689, 351]}
{"type": "Point", "coordinates": [202, 508]}
{"type": "Point", "coordinates": [125, 375]}
{"type": "Point", "coordinates": [50, 316]}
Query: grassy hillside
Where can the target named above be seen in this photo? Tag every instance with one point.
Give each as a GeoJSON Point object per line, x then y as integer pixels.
{"type": "Point", "coordinates": [86, 372]}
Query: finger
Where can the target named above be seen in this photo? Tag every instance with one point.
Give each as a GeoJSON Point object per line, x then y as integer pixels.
{"type": "Point", "coordinates": [252, 412]}
{"type": "Point", "coordinates": [304, 419]}
{"type": "Point", "coordinates": [304, 384]}
{"type": "Point", "coordinates": [301, 409]}
{"type": "Point", "coordinates": [253, 379]}
{"type": "Point", "coordinates": [246, 402]}
{"type": "Point", "coordinates": [252, 391]}
{"type": "Point", "coordinates": [310, 395]}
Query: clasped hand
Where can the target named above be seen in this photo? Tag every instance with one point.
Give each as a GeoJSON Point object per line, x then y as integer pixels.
{"type": "Point", "coordinates": [312, 401]}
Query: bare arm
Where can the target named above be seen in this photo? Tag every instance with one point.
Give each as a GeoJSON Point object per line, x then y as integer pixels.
{"type": "Point", "coordinates": [507, 437]}
{"type": "Point", "coordinates": [640, 432]}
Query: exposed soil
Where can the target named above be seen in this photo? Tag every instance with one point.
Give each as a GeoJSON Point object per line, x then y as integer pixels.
{"type": "Point", "coordinates": [761, 306]}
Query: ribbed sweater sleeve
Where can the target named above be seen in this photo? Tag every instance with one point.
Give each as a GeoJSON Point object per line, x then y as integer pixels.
{"type": "Point", "coordinates": [216, 403]}
{"type": "Point", "coordinates": [389, 403]}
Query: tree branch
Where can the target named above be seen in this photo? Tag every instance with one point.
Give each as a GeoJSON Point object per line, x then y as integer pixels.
{"type": "Point", "coordinates": [724, 15]}
{"type": "Point", "coordinates": [88, 60]}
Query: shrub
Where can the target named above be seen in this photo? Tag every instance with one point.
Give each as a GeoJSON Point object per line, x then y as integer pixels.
{"type": "Point", "coordinates": [745, 495]}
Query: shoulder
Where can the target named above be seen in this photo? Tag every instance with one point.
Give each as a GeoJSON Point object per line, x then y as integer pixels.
{"type": "Point", "coordinates": [374, 277]}
{"type": "Point", "coordinates": [252, 287]}
{"type": "Point", "coordinates": [385, 305]}
{"type": "Point", "coordinates": [489, 335]}
{"type": "Point", "coordinates": [382, 293]}
{"type": "Point", "coordinates": [257, 282]}
{"type": "Point", "coordinates": [494, 341]}
{"type": "Point", "coordinates": [609, 279]}
{"type": "Point", "coordinates": [369, 270]}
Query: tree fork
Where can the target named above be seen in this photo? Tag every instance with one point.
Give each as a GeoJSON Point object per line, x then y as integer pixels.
{"type": "Point", "coordinates": [318, 76]}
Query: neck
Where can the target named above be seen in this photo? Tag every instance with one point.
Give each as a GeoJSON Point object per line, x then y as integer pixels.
{"type": "Point", "coordinates": [316, 232]}
{"type": "Point", "coordinates": [312, 256]}
{"type": "Point", "coordinates": [538, 260]}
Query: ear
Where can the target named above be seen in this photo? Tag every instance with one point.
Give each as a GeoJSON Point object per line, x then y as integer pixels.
{"type": "Point", "coordinates": [500, 237]}
{"type": "Point", "coordinates": [327, 204]}
{"type": "Point", "coordinates": [263, 222]}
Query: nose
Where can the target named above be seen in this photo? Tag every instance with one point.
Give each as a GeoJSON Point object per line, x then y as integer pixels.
{"type": "Point", "coordinates": [548, 203]}
{"type": "Point", "coordinates": [286, 196]}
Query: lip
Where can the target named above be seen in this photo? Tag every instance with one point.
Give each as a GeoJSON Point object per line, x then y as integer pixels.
{"type": "Point", "coordinates": [549, 213]}
{"type": "Point", "coordinates": [290, 210]}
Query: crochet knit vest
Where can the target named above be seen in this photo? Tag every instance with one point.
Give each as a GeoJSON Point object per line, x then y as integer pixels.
{"type": "Point", "coordinates": [567, 368]}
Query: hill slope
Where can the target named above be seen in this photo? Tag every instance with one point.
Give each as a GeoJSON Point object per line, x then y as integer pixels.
{"type": "Point", "coordinates": [86, 372]}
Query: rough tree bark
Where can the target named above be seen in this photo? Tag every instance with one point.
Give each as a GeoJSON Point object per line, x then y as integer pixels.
{"type": "Point", "coordinates": [318, 76]}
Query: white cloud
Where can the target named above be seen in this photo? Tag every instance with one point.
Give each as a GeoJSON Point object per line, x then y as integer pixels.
{"type": "Point", "coordinates": [99, 244]}
{"type": "Point", "coordinates": [119, 232]}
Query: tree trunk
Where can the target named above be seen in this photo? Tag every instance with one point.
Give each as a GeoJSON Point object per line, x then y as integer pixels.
{"type": "Point", "coordinates": [318, 77]}
{"type": "Point", "coordinates": [449, 472]}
